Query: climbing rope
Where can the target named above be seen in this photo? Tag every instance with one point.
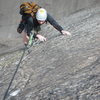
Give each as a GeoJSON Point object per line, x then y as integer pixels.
{"type": "Point", "coordinates": [30, 43]}
{"type": "Point", "coordinates": [17, 67]}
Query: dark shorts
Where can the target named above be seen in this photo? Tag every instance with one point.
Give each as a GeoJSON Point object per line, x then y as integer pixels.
{"type": "Point", "coordinates": [27, 25]}
{"type": "Point", "coordinates": [30, 26]}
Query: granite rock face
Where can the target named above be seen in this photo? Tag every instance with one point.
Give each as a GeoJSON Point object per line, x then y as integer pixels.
{"type": "Point", "coordinates": [63, 68]}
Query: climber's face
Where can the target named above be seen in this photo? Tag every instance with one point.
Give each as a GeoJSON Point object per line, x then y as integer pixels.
{"type": "Point", "coordinates": [41, 22]}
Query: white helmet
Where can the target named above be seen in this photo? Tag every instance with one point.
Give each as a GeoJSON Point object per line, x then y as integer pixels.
{"type": "Point", "coordinates": [41, 14]}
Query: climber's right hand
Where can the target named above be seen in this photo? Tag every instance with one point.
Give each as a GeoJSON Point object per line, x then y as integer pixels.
{"type": "Point", "coordinates": [41, 38]}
